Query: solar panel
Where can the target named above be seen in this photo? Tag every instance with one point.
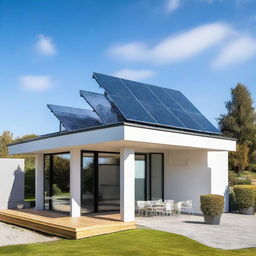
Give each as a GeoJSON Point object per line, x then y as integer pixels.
{"type": "Point", "coordinates": [102, 106]}
{"type": "Point", "coordinates": [151, 104]}
{"type": "Point", "coordinates": [75, 118]}
{"type": "Point", "coordinates": [154, 106]}
{"type": "Point", "coordinates": [123, 99]}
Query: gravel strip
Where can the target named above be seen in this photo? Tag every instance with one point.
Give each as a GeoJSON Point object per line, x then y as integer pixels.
{"type": "Point", "coordinates": [10, 234]}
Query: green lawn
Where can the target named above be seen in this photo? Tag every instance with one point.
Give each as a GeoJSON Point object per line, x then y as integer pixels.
{"type": "Point", "coordinates": [134, 242]}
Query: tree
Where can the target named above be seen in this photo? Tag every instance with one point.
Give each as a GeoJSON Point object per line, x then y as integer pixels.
{"type": "Point", "coordinates": [238, 160]}
{"type": "Point", "coordinates": [5, 139]}
{"type": "Point", "coordinates": [240, 123]}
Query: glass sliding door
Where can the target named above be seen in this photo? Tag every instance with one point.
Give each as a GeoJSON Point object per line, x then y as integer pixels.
{"type": "Point", "coordinates": [156, 175]}
{"type": "Point", "coordinates": [100, 179]}
{"type": "Point", "coordinates": [88, 183]}
{"type": "Point", "coordinates": [47, 182]}
{"type": "Point", "coordinates": [108, 182]}
{"type": "Point", "coordinates": [140, 177]}
{"type": "Point", "coordinates": [56, 182]}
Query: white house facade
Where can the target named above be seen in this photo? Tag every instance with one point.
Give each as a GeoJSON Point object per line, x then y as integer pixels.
{"type": "Point", "coordinates": [140, 142]}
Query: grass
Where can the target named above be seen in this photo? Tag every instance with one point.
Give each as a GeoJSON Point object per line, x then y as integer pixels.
{"type": "Point", "coordinates": [134, 242]}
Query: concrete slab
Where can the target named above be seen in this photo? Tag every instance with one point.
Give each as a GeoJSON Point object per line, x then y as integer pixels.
{"type": "Point", "coordinates": [235, 231]}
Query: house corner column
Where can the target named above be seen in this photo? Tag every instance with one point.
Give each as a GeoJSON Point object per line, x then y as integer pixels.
{"type": "Point", "coordinates": [127, 184]}
{"type": "Point", "coordinates": [39, 181]}
{"type": "Point", "coordinates": [75, 183]}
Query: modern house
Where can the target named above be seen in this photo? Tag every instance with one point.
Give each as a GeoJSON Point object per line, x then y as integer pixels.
{"type": "Point", "coordinates": [138, 142]}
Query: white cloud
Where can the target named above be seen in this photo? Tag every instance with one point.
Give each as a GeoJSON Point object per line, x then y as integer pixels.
{"type": "Point", "coordinates": [172, 5]}
{"type": "Point", "coordinates": [134, 74]}
{"type": "Point", "coordinates": [236, 52]}
{"type": "Point", "coordinates": [36, 83]}
{"type": "Point", "coordinates": [175, 47]}
{"type": "Point", "coordinates": [45, 45]}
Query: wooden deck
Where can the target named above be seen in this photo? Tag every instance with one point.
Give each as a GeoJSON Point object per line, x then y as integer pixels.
{"type": "Point", "coordinates": [65, 226]}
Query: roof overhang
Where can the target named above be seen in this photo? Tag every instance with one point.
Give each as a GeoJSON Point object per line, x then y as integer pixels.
{"type": "Point", "coordinates": [118, 135]}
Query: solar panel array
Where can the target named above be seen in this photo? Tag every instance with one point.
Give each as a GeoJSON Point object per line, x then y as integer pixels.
{"type": "Point", "coordinates": [101, 106]}
{"type": "Point", "coordinates": [126, 100]}
{"type": "Point", "coordinates": [75, 118]}
{"type": "Point", "coordinates": [154, 105]}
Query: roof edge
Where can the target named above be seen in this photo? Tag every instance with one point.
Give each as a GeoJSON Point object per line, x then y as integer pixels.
{"type": "Point", "coordinates": [133, 124]}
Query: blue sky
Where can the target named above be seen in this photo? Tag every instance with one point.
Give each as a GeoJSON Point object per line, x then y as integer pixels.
{"type": "Point", "coordinates": [49, 49]}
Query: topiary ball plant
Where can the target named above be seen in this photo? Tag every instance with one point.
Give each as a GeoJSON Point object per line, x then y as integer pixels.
{"type": "Point", "coordinates": [212, 205]}
{"type": "Point", "coordinates": [246, 198]}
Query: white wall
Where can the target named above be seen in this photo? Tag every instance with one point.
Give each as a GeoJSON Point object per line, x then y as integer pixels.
{"type": "Point", "coordinates": [11, 182]}
{"type": "Point", "coordinates": [189, 174]}
{"type": "Point", "coordinates": [218, 162]}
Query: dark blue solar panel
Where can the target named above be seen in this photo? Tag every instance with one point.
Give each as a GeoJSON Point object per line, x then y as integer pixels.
{"type": "Point", "coordinates": [75, 118]}
{"type": "Point", "coordinates": [164, 97]}
{"type": "Point", "coordinates": [208, 126]}
{"type": "Point", "coordinates": [123, 99]}
{"type": "Point", "coordinates": [102, 107]}
{"type": "Point", "coordinates": [156, 109]}
{"type": "Point", "coordinates": [181, 100]}
{"type": "Point", "coordinates": [152, 104]}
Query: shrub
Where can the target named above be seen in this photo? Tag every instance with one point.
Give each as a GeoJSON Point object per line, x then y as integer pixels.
{"type": "Point", "coordinates": [245, 195]}
{"type": "Point", "coordinates": [251, 167]}
{"type": "Point", "coordinates": [212, 205]}
{"type": "Point", "coordinates": [232, 200]}
{"type": "Point", "coordinates": [243, 178]}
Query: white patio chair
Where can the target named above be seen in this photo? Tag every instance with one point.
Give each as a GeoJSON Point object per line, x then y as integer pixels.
{"type": "Point", "coordinates": [149, 208]}
{"type": "Point", "coordinates": [141, 207]}
{"type": "Point", "coordinates": [159, 208]}
{"type": "Point", "coordinates": [178, 208]}
{"type": "Point", "coordinates": [187, 205]}
{"type": "Point", "coordinates": [169, 201]}
{"type": "Point", "coordinates": [168, 208]}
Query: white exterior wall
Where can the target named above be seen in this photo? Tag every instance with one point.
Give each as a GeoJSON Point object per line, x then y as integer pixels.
{"type": "Point", "coordinates": [75, 183]}
{"type": "Point", "coordinates": [127, 184]}
{"type": "Point", "coordinates": [218, 162]}
{"type": "Point", "coordinates": [11, 182]}
{"type": "Point", "coordinates": [189, 174]}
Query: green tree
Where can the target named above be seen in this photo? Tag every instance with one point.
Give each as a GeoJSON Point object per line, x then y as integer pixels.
{"type": "Point", "coordinates": [238, 160]}
{"type": "Point", "coordinates": [240, 123]}
{"type": "Point", "coordinates": [5, 139]}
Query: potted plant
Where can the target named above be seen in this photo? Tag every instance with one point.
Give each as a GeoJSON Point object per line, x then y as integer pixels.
{"type": "Point", "coordinates": [245, 197]}
{"type": "Point", "coordinates": [212, 208]}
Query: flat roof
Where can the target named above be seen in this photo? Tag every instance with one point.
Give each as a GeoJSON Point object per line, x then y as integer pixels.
{"type": "Point", "coordinates": [134, 124]}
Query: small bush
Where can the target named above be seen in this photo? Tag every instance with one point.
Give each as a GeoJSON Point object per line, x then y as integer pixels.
{"type": "Point", "coordinates": [212, 205]}
{"type": "Point", "coordinates": [245, 195]}
{"type": "Point", "coordinates": [232, 201]}
{"type": "Point", "coordinates": [251, 167]}
{"type": "Point", "coordinates": [243, 178]}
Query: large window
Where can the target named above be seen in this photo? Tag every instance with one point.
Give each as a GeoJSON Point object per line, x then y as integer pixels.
{"type": "Point", "coordinates": [88, 183]}
{"type": "Point", "coordinates": [140, 177]}
{"type": "Point", "coordinates": [56, 182]}
{"type": "Point", "coordinates": [108, 182]}
{"type": "Point", "coordinates": [157, 175]}
{"type": "Point", "coordinates": [100, 182]}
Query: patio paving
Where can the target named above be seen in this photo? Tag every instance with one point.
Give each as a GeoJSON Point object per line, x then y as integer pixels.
{"type": "Point", "coordinates": [235, 231]}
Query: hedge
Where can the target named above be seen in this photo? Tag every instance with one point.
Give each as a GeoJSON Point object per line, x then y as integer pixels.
{"type": "Point", "coordinates": [245, 195]}
{"type": "Point", "coordinates": [211, 204]}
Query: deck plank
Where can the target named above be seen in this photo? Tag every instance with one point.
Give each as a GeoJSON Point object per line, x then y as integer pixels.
{"type": "Point", "coordinates": [65, 226]}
